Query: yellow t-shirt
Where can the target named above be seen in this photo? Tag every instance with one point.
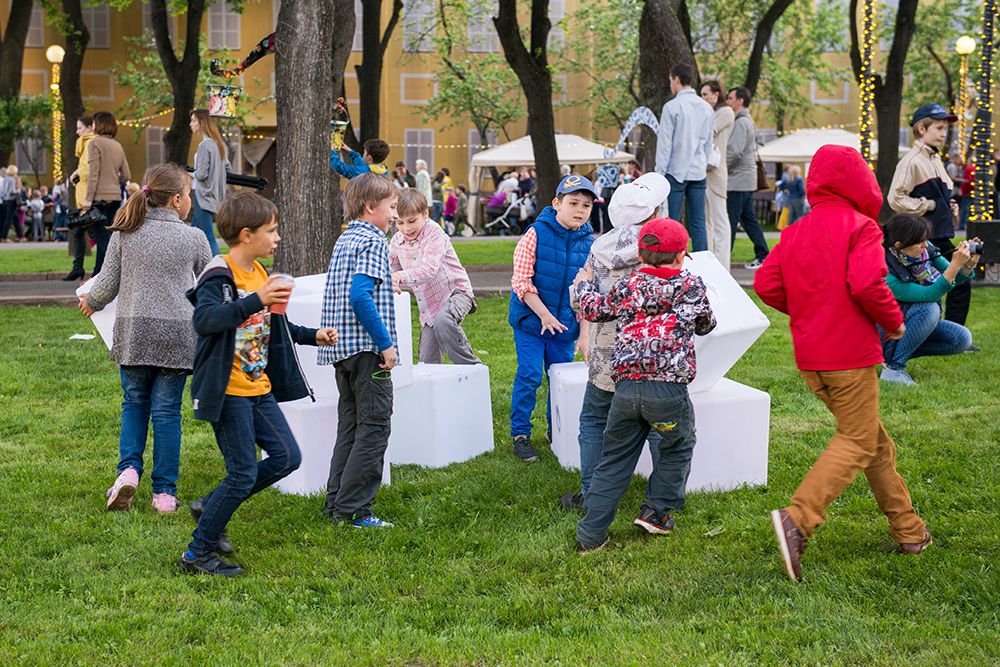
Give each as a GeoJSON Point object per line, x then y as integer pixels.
{"type": "Point", "coordinates": [247, 377]}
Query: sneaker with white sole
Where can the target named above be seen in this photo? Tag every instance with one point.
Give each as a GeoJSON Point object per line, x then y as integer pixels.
{"type": "Point", "coordinates": [754, 265]}
{"type": "Point", "coordinates": [122, 492]}
{"type": "Point", "coordinates": [654, 523]}
{"type": "Point", "coordinates": [164, 503]}
{"type": "Point", "coordinates": [371, 521]}
{"type": "Point", "coordinates": [897, 376]}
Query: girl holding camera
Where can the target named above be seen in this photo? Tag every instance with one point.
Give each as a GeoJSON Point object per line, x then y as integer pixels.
{"type": "Point", "coordinates": [919, 277]}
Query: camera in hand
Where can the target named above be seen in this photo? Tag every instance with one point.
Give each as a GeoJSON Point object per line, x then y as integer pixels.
{"type": "Point", "coordinates": [975, 247]}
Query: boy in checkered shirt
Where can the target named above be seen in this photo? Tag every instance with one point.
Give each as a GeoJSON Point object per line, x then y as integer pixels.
{"type": "Point", "coordinates": [359, 300]}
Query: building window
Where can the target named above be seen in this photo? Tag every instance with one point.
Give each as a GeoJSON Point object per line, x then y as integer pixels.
{"type": "Point", "coordinates": [475, 145]}
{"type": "Point", "coordinates": [418, 26]}
{"type": "Point", "coordinates": [97, 21]}
{"type": "Point", "coordinates": [36, 29]}
{"type": "Point", "coordinates": [557, 12]}
{"type": "Point", "coordinates": [905, 136]}
{"type": "Point", "coordinates": [482, 34]}
{"type": "Point", "coordinates": [30, 157]}
{"type": "Point", "coordinates": [560, 87]}
{"type": "Point", "coordinates": [147, 21]}
{"type": "Point", "coordinates": [416, 88]}
{"type": "Point", "coordinates": [156, 152]}
{"type": "Point", "coordinates": [419, 146]}
{"type": "Point", "coordinates": [817, 97]}
{"type": "Point", "coordinates": [223, 27]}
{"type": "Point", "coordinates": [358, 44]}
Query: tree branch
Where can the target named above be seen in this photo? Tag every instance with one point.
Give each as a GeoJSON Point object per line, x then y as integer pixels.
{"type": "Point", "coordinates": [397, 8]}
{"type": "Point", "coordinates": [762, 36]}
{"type": "Point", "coordinates": [949, 91]}
{"type": "Point", "coordinates": [161, 35]}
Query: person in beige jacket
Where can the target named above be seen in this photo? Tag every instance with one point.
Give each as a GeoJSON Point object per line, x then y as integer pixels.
{"type": "Point", "coordinates": [719, 231]}
{"type": "Point", "coordinates": [108, 173]}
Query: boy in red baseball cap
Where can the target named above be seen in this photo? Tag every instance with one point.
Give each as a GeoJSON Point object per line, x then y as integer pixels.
{"type": "Point", "coordinates": [659, 308]}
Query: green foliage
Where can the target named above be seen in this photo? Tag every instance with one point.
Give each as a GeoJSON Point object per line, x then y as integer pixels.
{"type": "Point", "coordinates": [939, 24]}
{"type": "Point", "coordinates": [25, 118]}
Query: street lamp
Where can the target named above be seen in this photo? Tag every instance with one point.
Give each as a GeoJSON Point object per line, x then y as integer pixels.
{"type": "Point", "coordinates": [963, 47]}
{"type": "Point", "coordinates": [55, 54]}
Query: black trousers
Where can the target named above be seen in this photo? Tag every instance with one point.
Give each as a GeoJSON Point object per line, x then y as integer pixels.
{"type": "Point", "coordinates": [100, 234]}
{"type": "Point", "coordinates": [364, 414]}
{"type": "Point", "coordinates": [957, 303]}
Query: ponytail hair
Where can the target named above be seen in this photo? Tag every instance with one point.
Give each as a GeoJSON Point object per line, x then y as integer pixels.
{"type": "Point", "coordinates": [210, 129]}
{"type": "Point", "coordinates": [161, 183]}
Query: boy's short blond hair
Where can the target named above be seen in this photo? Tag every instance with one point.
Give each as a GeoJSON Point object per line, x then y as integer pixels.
{"type": "Point", "coordinates": [921, 126]}
{"type": "Point", "coordinates": [411, 201]}
{"type": "Point", "coordinates": [366, 190]}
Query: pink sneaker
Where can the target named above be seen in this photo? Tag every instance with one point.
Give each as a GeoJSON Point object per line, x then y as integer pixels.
{"type": "Point", "coordinates": [120, 495]}
{"type": "Point", "coordinates": [164, 503]}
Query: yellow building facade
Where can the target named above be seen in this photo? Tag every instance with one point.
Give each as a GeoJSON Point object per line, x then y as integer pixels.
{"type": "Point", "coordinates": [408, 82]}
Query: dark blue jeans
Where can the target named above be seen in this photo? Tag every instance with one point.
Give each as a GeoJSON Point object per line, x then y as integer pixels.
{"type": "Point", "coordinates": [202, 219]}
{"type": "Point", "coordinates": [926, 335]}
{"type": "Point", "coordinates": [740, 208]}
{"type": "Point", "coordinates": [152, 392]}
{"type": "Point", "coordinates": [245, 421]}
{"type": "Point", "coordinates": [534, 356]}
{"type": "Point", "coordinates": [636, 408]}
{"type": "Point", "coordinates": [593, 421]}
{"type": "Point", "coordinates": [694, 212]}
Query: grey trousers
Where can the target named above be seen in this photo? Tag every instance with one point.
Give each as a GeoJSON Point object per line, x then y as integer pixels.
{"type": "Point", "coordinates": [445, 334]}
{"type": "Point", "coordinates": [364, 413]}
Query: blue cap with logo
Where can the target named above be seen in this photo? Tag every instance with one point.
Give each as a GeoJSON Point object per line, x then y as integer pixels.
{"type": "Point", "coordinates": [574, 183]}
{"type": "Point", "coordinates": [933, 111]}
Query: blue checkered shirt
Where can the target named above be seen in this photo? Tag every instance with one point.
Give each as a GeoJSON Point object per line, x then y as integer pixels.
{"type": "Point", "coordinates": [361, 249]}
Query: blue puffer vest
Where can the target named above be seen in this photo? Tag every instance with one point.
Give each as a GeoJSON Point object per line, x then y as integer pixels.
{"type": "Point", "coordinates": [560, 254]}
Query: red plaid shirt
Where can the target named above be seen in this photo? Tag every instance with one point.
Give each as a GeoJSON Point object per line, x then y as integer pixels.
{"type": "Point", "coordinates": [428, 266]}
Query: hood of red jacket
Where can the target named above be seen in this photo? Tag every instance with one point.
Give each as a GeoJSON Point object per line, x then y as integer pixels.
{"type": "Point", "coordinates": [838, 175]}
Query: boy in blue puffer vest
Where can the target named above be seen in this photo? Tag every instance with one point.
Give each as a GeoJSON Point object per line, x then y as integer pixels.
{"type": "Point", "coordinates": [546, 330]}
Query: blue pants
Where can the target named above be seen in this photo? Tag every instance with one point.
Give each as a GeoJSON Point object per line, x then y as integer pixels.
{"type": "Point", "coordinates": [740, 208]}
{"type": "Point", "coordinates": [593, 421]}
{"type": "Point", "coordinates": [534, 356]}
{"type": "Point", "coordinates": [203, 219]}
{"type": "Point", "coordinates": [694, 213]}
{"type": "Point", "coordinates": [244, 423]}
{"type": "Point", "coordinates": [926, 335]}
{"type": "Point", "coordinates": [636, 408]}
{"type": "Point", "coordinates": [152, 392]}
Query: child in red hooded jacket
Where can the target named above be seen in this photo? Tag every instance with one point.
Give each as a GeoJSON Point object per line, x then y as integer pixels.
{"type": "Point", "coordinates": [828, 274]}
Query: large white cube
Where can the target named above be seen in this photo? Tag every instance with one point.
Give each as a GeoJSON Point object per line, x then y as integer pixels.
{"type": "Point", "coordinates": [444, 417]}
{"type": "Point", "coordinates": [739, 322]}
{"type": "Point", "coordinates": [314, 426]}
{"type": "Point", "coordinates": [731, 419]}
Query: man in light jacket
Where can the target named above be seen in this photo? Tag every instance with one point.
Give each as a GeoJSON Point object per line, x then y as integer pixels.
{"type": "Point", "coordinates": [683, 149]}
{"type": "Point", "coordinates": [741, 159]}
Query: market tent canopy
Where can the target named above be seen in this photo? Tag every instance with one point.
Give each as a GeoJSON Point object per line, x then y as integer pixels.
{"type": "Point", "coordinates": [801, 145]}
{"type": "Point", "coordinates": [571, 149]}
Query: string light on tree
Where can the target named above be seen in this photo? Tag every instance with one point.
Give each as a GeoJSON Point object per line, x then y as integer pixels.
{"type": "Point", "coordinates": [982, 132]}
{"type": "Point", "coordinates": [55, 54]}
{"type": "Point", "coordinates": [963, 47]}
{"type": "Point", "coordinates": [866, 103]}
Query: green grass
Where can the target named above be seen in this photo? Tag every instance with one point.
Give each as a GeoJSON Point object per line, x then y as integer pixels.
{"type": "Point", "coordinates": [481, 568]}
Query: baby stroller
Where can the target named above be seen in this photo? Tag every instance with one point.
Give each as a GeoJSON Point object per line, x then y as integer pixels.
{"type": "Point", "coordinates": [517, 217]}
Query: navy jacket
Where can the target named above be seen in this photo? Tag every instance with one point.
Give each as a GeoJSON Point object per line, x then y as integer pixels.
{"type": "Point", "coordinates": [559, 254]}
{"type": "Point", "coordinates": [217, 314]}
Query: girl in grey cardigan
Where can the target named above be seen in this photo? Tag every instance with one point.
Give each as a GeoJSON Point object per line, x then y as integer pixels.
{"type": "Point", "coordinates": [210, 165]}
{"type": "Point", "coordinates": [151, 262]}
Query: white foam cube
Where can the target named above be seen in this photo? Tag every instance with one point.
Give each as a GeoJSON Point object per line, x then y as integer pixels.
{"type": "Point", "coordinates": [732, 423]}
{"type": "Point", "coordinates": [444, 417]}
{"type": "Point", "coordinates": [314, 426]}
{"type": "Point", "coordinates": [739, 322]}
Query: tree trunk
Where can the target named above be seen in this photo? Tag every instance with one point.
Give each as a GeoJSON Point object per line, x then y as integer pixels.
{"type": "Point", "coordinates": [374, 43]}
{"type": "Point", "coordinates": [305, 194]}
{"type": "Point", "coordinates": [532, 69]}
{"type": "Point", "coordinates": [69, 85]}
{"type": "Point", "coordinates": [888, 89]}
{"type": "Point", "coordinates": [182, 74]}
{"type": "Point", "coordinates": [760, 40]}
{"type": "Point", "coordinates": [662, 45]}
{"type": "Point", "coordinates": [11, 61]}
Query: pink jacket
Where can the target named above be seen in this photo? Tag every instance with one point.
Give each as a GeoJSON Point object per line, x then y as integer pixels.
{"type": "Point", "coordinates": [429, 266]}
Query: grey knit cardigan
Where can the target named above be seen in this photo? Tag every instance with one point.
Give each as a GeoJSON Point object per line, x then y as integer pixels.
{"type": "Point", "coordinates": [149, 270]}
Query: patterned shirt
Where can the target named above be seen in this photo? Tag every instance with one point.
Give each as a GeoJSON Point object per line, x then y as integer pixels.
{"type": "Point", "coordinates": [362, 249]}
{"type": "Point", "coordinates": [524, 264]}
{"type": "Point", "coordinates": [253, 336]}
{"type": "Point", "coordinates": [429, 266]}
{"type": "Point", "coordinates": [659, 312]}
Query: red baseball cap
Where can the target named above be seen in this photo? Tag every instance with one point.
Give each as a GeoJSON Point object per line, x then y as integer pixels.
{"type": "Point", "coordinates": [671, 236]}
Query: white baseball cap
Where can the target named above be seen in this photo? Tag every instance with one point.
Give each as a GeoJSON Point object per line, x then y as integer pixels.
{"type": "Point", "coordinates": [633, 203]}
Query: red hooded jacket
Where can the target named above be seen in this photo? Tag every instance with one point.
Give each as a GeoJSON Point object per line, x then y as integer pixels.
{"type": "Point", "coordinates": [828, 271]}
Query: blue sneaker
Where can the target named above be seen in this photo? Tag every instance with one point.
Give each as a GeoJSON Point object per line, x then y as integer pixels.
{"type": "Point", "coordinates": [371, 521]}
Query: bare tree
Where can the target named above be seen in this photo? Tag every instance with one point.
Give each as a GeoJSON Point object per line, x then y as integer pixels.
{"type": "Point", "coordinates": [11, 62]}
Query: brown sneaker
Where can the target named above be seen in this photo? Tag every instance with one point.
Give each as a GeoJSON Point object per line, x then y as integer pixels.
{"type": "Point", "coordinates": [790, 542]}
{"type": "Point", "coordinates": [918, 546]}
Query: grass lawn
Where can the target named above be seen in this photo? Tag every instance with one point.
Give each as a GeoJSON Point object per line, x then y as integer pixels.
{"type": "Point", "coordinates": [481, 567]}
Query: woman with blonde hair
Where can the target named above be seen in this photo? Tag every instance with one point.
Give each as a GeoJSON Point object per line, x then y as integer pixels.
{"type": "Point", "coordinates": [210, 165]}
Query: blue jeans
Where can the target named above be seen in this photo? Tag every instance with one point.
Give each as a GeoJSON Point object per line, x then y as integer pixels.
{"type": "Point", "coordinates": [437, 208]}
{"type": "Point", "coordinates": [926, 335]}
{"type": "Point", "coordinates": [636, 408]}
{"type": "Point", "coordinates": [245, 421]}
{"type": "Point", "coordinates": [964, 209]}
{"type": "Point", "coordinates": [694, 214]}
{"type": "Point", "coordinates": [593, 421]}
{"type": "Point", "coordinates": [534, 356]}
{"type": "Point", "coordinates": [152, 392]}
{"type": "Point", "coordinates": [203, 219]}
{"type": "Point", "coordinates": [796, 209]}
{"type": "Point", "coordinates": [740, 208]}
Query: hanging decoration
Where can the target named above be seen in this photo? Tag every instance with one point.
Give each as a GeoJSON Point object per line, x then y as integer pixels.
{"type": "Point", "coordinates": [866, 104]}
{"type": "Point", "coordinates": [263, 48]}
{"type": "Point", "coordinates": [338, 126]}
{"type": "Point", "coordinates": [223, 100]}
{"type": "Point", "coordinates": [982, 132]}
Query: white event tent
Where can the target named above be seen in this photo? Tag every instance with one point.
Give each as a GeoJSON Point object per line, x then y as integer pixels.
{"type": "Point", "coordinates": [801, 145]}
{"type": "Point", "coordinates": [571, 149]}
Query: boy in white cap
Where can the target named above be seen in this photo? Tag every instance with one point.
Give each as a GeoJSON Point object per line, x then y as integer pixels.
{"type": "Point", "coordinates": [613, 256]}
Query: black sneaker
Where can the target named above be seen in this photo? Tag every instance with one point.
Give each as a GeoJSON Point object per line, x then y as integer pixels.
{"type": "Point", "coordinates": [583, 551]}
{"type": "Point", "coordinates": [654, 523]}
{"type": "Point", "coordinates": [573, 501]}
{"type": "Point", "coordinates": [523, 448]}
{"type": "Point", "coordinates": [224, 547]}
{"type": "Point", "coordinates": [210, 564]}
{"type": "Point", "coordinates": [973, 349]}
